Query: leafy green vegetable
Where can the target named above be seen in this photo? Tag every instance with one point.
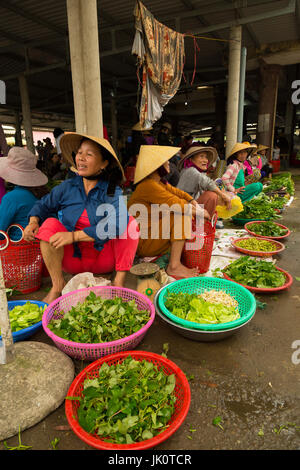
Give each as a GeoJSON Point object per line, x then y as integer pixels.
{"type": "Point", "coordinates": [268, 229]}
{"type": "Point", "coordinates": [255, 273]}
{"type": "Point", "coordinates": [98, 320]}
{"type": "Point", "coordinates": [23, 316]}
{"type": "Point", "coordinates": [281, 182]}
{"type": "Point", "coordinates": [128, 402]}
{"type": "Point", "coordinates": [256, 244]}
{"type": "Point", "coordinates": [193, 308]}
{"type": "Point", "coordinates": [217, 422]}
{"type": "Point", "coordinates": [260, 207]}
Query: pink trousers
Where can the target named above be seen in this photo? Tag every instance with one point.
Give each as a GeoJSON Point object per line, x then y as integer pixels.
{"type": "Point", "coordinates": [117, 254]}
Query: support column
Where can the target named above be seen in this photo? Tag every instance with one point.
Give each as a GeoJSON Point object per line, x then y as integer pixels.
{"type": "Point", "coordinates": [114, 124]}
{"type": "Point", "coordinates": [242, 94]}
{"type": "Point", "coordinates": [220, 112]}
{"type": "Point", "coordinates": [234, 68]}
{"type": "Point", "coordinates": [26, 112]}
{"type": "Point", "coordinates": [269, 78]}
{"type": "Point", "coordinates": [18, 134]}
{"type": "Point", "coordinates": [85, 66]}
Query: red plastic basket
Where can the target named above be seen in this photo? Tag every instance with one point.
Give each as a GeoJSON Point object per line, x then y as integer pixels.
{"type": "Point", "coordinates": [288, 283]}
{"type": "Point", "coordinates": [200, 256]}
{"type": "Point", "coordinates": [248, 228]}
{"type": "Point", "coordinates": [22, 264]}
{"type": "Point", "coordinates": [264, 254]}
{"type": "Point", "coordinates": [182, 404]}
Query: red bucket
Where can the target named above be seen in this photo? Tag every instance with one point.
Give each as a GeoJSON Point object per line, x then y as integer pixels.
{"type": "Point", "coordinates": [22, 264]}
{"type": "Point", "coordinates": [204, 238]}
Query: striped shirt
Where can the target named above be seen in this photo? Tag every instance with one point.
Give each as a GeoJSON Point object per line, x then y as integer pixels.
{"type": "Point", "coordinates": [230, 175]}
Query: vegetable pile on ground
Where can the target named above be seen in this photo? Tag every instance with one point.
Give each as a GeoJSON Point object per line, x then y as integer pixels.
{"type": "Point", "coordinates": [260, 207]}
{"type": "Point", "coordinates": [282, 184]}
{"type": "Point", "coordinates": [278, 202]}
{"type": "Point", "coordinates": [210, 307]}
{"type": "Point", "coordinates": [98, 320]}
{"type": "Point", "coordinates": [256, 244]}
{"type": "Point", "coordinates": [23, 316]}
{"type": "Point", "coordinates": [268, 229]}
{"type": "Point", "coordinates": [255, 273]}
{"type": "Point", "coordinates": [128, 402]}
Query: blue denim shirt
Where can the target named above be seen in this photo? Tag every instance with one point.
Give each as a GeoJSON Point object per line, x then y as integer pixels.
{"type": "Point", "coordinates": [108, 216]}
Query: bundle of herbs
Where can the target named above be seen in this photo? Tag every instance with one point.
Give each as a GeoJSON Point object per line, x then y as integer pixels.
{"type": "Point", "coordinates": [260, 207]}
{"type": "Point", "coordinates": [268, 229]}
{"type": "Point", "coordinates": [282, 184]}
{"type": "Point", "coordinates": [255, 273]}
{"type": "Point", "coordinates": [127, 402]}
{"type": "Point", "coordinates": [98, 320]}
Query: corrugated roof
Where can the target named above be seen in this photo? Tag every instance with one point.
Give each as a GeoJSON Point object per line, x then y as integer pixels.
{"type": "Point", "coordinates": [44, 23]}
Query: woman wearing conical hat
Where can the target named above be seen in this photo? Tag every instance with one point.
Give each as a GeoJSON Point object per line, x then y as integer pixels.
{"type": "Point", "coordinates": [267, 169]}
{"type": "Point", "coordinates": [194, 180]}
{"type": "Point", "coordinates": [96, 233]}
{"type": "Point", "coordinates": [167, 231]}
{"type": "Point", "coordinates": [234, 176]}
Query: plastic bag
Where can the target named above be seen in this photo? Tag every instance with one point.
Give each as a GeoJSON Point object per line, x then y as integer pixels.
{"type": "Point", "coordinates": [82, 280]}
{"type": "Point", "coordinates": [236, 207]}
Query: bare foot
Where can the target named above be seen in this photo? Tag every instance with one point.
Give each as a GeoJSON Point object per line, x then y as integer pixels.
{"type": "Point", "coordinates": [181, 271]}
{"type": "Point", "coordinates": [52, 295]}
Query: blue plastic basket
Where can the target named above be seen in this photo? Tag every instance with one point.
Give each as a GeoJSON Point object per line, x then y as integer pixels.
{"type": "Point", "coordinates": [26, 332]}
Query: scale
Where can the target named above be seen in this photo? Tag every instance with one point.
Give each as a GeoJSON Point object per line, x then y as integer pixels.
{"type": "Point", "coordinates": [146, 282]}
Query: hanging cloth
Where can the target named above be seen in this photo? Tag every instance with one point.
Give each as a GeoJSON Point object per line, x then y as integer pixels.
{"type": "Point", "coordinates": [160, 52]}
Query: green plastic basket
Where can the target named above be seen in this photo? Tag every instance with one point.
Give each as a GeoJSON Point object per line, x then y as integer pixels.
{"type": "Point", "coordinates": [246, 300]}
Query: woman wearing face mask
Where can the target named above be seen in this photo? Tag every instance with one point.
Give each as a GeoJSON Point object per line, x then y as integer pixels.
{"type": "Point", "coordinates": [234, 177]}
{"type": "Point", "coordinates": [96, 234]}
{"type": "Point", "coordinates": [194, 181]}
{"type": "Point", "coordinates": [169, 230]}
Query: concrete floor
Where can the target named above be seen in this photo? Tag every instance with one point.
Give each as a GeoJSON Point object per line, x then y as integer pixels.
{"type": "Point", "coordinates": [249, 379]}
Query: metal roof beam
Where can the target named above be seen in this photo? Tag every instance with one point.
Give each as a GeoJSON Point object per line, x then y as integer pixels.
{"type": "Point", "coordinates": [289, 9]}
{"type": "Point", "coordinates": [18, 10]}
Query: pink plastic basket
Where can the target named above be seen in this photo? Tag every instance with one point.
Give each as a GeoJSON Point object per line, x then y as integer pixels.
{"type": "Point", "coordinates": [93, 351]}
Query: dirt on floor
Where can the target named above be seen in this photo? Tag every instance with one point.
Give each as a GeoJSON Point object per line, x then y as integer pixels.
{"type": "Point", "coordinates": [250, 381]}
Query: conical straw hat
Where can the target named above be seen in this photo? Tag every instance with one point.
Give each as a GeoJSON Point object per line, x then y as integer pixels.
{"type": "Point", "coordinates": [150, 158]}
{"type": "Point", "coordinates": [242, 146]}
{"type": "Point", "coordinates": [262, 147]}
{"type": "Point", "coordinates": [193, 150]}
{"type": "Point", "coordinates": [70, 142]}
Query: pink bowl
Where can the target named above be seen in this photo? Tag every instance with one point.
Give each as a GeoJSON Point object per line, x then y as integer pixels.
{"type": "Point", "coordinates": [93, 351]}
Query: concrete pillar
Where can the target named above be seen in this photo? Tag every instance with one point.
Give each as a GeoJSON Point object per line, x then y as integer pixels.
{"type": "Point", "coordinates": [234, 67]}
{"type": "Point", "coordinates": [85, 66]}
{"type": "Point", "coordinates": [242, 94]}
{"type": "Point", "coordinates": [269, 78]}
{"type": "Point", "coordinates": [220, 113]}
{"type": "Point", "coordinates": [18, 134]}
{"type": "Point", "coordinates": [114, 123]}
{"type": "Point", "coordinates": [26, 112]}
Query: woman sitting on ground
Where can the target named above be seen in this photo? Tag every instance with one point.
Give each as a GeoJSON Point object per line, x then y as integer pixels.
{"type": "Point", "coordinates": [194, 181]}
{"type": "Point", "coordinates": [94, 217]}
{"type": "Point", "coordinates": [172, 227]}
{"type": "Point", "coordinates": [267, 169]}
{"type": "Point", "coordinates": [234, 177]}
{"type": "Point", "coordinates": [19, 169]}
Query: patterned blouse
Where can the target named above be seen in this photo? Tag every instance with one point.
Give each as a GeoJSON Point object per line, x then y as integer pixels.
{"type": "Point", "coordinates": [230, 175]}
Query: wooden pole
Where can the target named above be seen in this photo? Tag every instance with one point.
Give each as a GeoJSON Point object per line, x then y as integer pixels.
{"type": "Point", "coordinates": [26, 112]}
{"type": "Point", "coordinates": [7, 346]}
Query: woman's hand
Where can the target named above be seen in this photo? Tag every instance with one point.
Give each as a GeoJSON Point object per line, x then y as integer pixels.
{"type": "Point", "coordinates": [30, 231]}
{"type": "Point", "coordinates": [198, 210]}
{"type": "Point", "coordinates": [60, 239]}
{"type": "Point", "coordinates": [227, 200]}
{"type": "Point", "coordinates": [240, 190]}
